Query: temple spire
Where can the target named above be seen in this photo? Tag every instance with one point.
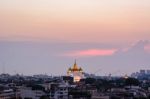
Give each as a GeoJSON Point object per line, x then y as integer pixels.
{"type": "Point", "coordinates": [75, 67]}
{"type": "Point", "coordinates": [75, 62]}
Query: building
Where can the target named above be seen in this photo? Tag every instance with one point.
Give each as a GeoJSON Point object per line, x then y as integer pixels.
{"type": "Point", "coordinates": [142, 72]}
{"type": "Point", "coordinates": [62, 91]}
{"type": "Point", "coordinates": [148, 71]}
{"type": "Point", "coordinates": [59, 90]}
{"type": "Point", "coordinates": [75, 72]}
{"type": "Point", "coordinates": [9, 94]}
{"type": "Point", "coordinates": [28, 93]}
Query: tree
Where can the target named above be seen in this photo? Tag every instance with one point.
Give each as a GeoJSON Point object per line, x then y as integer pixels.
{"type": "Point", "coordinates": [90, 80]}
{"type": "Point", "coordinates": [132, 82]}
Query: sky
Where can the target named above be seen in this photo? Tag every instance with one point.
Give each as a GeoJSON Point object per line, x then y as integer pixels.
{"type": "Point", "coordinates": [110, 35]}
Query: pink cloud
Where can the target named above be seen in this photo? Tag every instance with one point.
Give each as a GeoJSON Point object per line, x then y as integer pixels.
{"type": "Point", "coordinates": [92, 52]}
{"type": "Point", "coordinates": [147, 48]}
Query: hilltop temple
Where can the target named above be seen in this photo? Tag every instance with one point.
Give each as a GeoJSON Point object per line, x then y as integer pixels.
{"type": "Point", "coordinates": [75, 72]}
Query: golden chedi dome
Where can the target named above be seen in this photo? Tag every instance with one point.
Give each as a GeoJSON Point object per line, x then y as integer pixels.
{"type": "Point", "coordinates": [76, 72]}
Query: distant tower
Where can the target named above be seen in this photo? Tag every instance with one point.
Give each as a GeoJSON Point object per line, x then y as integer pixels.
{"type": "Point", "coordinates": [75, 72]}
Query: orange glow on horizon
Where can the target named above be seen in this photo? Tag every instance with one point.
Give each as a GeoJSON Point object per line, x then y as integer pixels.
{"type": "Point", "coordinates": [99, 20]}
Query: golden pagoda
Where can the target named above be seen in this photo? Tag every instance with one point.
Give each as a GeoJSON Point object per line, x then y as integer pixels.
{"type": "Point", "coordinates": [75, 72]}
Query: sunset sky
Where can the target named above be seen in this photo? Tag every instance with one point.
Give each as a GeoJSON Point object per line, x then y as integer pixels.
{"type": "Point", "coordinates": [101, 31]}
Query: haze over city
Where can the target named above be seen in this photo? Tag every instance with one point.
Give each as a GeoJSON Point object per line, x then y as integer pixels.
{"type": "Point", "coordinates": [46, 36]}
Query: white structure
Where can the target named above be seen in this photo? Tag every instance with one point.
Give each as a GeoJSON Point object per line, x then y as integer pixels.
{"type": "Point", "coordinates": [61, 92]}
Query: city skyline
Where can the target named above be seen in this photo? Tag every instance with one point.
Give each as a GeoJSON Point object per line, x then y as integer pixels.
{"type": "Point", "coordinates": [46, 36]}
